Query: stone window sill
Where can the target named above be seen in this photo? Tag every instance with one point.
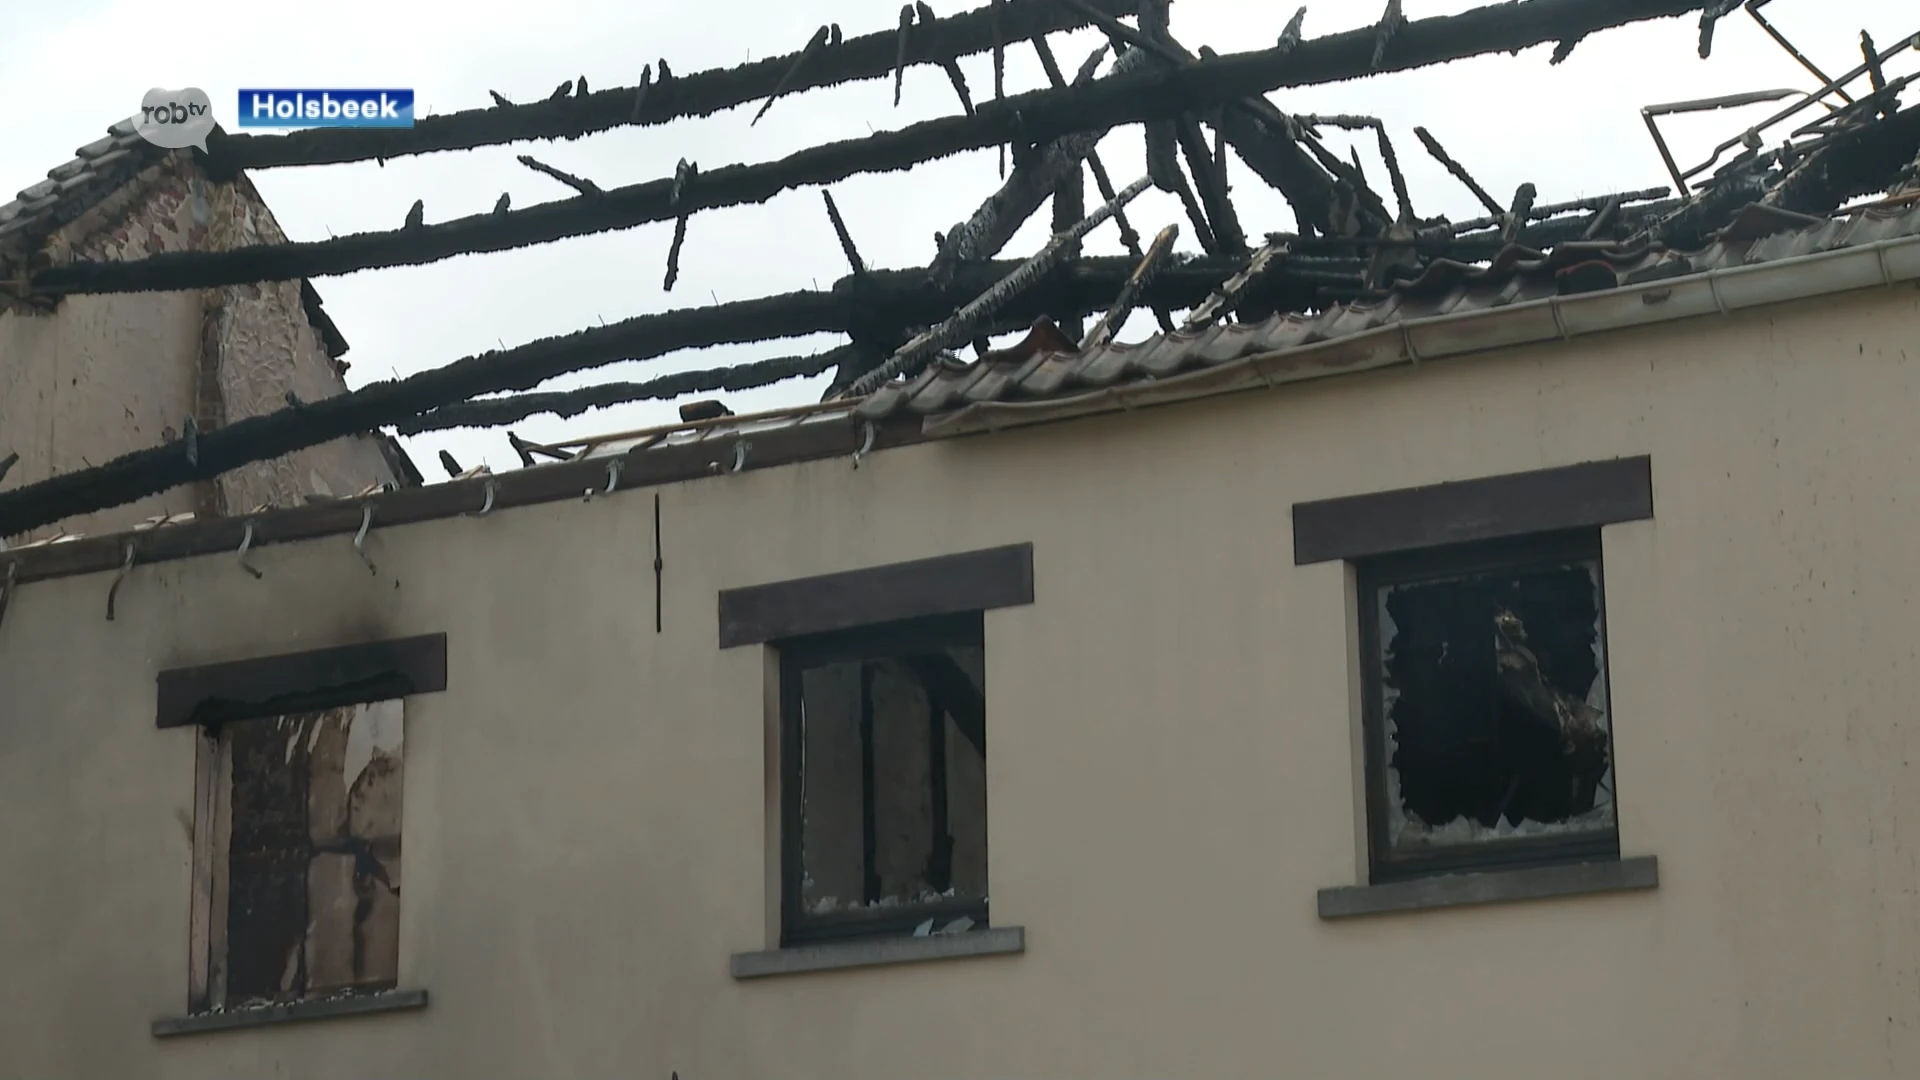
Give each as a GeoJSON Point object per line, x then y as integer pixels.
{"type": "Point", "coordinates": [1491, 887]}
{"type": "Point", "coordinates": [264, 1015]}
{"type": "Point", "coordinates": [876, 952]}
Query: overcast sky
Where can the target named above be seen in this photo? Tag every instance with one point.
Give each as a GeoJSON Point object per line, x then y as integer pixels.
{"type": "Point", "coordinates": [71, 68]}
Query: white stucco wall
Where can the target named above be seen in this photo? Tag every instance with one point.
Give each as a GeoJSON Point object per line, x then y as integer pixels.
{"type": "Point", "coordinates": [1169, 774]}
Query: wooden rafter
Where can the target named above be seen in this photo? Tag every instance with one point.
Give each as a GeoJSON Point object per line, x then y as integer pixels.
{"type": "Point", "coordinates": [1028, 118]}
{"type": "Point", "coordinates": [881, 309]}
{"type": "Point", "coordinates": [701, 93]}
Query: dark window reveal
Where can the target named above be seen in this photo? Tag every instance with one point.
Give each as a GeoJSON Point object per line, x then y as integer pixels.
{"type": "Point", "coordinates": [885, 780]}
{"type": "Point", "coordinates": [311, 870]}
{"type": "Point", "coordinates": [1488, 728]}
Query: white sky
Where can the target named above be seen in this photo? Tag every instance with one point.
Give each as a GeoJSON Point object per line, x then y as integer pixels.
{"type": "Point", "coordinates": [73, 67]}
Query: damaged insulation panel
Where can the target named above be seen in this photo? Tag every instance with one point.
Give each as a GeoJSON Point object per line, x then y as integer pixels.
{"type": "Point", "coordinates": [312, 860]}
{"type": "Point", "coordinates": [1492, 732]}
{"type": "Point", "coordinates": [891, 814]}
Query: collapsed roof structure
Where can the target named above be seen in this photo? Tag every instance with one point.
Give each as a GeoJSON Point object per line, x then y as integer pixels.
{"type": "Point", "coordinates": [1354, 249]}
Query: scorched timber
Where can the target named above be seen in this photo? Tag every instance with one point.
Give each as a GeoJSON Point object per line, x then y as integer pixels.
{"type": "Point", "coordinates": [1029, 118]}
{"type": "Point", "coordinates": [997, 220]}
{"type": "Point", "coordinates": [702, 93]}
{"type": "Point", "coordinates": [1088, 285]}
{"type": "Point", "coordinates": [1847, 164]}
{"type": "Point", "coordinates": [260, 438]}
{"type": "Point", "coordinates": [493, 412]}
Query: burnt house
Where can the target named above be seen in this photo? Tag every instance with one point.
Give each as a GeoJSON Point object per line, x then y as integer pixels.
{"type": "Point", "coordinates": [85, 378]}
{"type": "Point", "coordinates": [1434, 636]}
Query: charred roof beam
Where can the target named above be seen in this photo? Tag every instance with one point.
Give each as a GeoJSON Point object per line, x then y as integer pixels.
{"type": "Point", "coordinates": [1087, 286]}
{"type": "Point", "coordinates": [498, 411]}
{"type": "Point", "coordinates": [1026, 118]}
{"type": "Point", "coordinates": [1035, 177]}
{"type": "Point", "coordinates": [1254, 126]}
{"type": "Point", "coordinates": [702, 93]}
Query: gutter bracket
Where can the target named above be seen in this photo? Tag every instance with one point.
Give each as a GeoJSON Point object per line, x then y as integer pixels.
{"type": "Point", "coordinates": [1713, 287]}
{"type": "Point", "coordinates": [866, 442]}
{"type": "Point", "coordinates": [246, 542]}
{"type": "Point", "coordinates": [113, 591]}
{"type": "Point", "coordinates": [360, 538]}
{"type": "Point", "coordinates": [486, 506]}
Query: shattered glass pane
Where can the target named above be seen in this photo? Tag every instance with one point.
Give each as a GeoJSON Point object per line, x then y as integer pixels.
{"type": "Point", "coordinates": [1494, 693]}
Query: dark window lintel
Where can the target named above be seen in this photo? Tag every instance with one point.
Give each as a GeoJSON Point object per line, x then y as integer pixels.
{"type": "Point", "coordinates": [1580, 496]}
{"type": "Point", "coordinates": [942, 585]}
{"type": "Point", "coordinates": [303, 681]}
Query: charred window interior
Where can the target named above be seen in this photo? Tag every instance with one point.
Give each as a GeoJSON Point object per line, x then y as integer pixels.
{"type": "Point", "coordinates": [1489, 732]}
{"type": "Point", "coordinates": [885, 781]}
{"type": "Point", "coordinates": [307, 856]}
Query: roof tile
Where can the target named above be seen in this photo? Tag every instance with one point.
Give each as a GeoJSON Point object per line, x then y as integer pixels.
{"type": "Point", "coordinates": [1039, 367]}
{"type": "Point", "coordinates": [111, 158]}
{"type": "Point", "coordinates": [98, 147]}
{"type": "Point", "coordinates": [73, 186]}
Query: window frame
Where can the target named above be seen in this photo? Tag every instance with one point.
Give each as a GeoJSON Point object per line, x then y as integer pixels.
{"type": "Point", "coordinates": [209, 697]}
{"type": "Point", "coordinates": [796, 655]}
{"type": "Point", "coordinates": [1476, 557]}
{"type": "Point", "coordinates": [223, 794]}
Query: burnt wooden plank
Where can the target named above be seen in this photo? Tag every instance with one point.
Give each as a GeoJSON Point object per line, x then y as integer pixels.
{"type": "Point", "coordinates": [302, 682]}
{"type": "Point", "coordinates": [1517, 504]}
{"type": "Point", "coordinates": [646, 467]}
{"type": "Point", "coordinates": [206, 778]}
{"type": "Point", "coordinates": [942, 585]}
{"type": "Point", "coordinates": [267, 860]}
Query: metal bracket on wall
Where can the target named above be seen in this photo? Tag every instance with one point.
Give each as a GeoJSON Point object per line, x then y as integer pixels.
{"type": "Point", "coordinates": [114, 590]}
{"type": "Point", "coordinates": [360, 538]}
{"type": "Point", "coordinates": [486, 504]}
{"type": "Point", "coordinates": [658, 623]}
{"type": "Point", "coordinates": [246, 542]}
{"type": "Point", "coordinates": [866, 442]}
{"type": "Point", "coordinates": [613, 480]}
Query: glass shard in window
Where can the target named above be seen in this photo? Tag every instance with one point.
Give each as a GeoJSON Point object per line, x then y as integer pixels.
{"type": "Point", "coordinates": [1493, 693]}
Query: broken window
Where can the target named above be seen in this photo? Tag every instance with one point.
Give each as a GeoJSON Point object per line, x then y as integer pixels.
{"type": "Point", "coordinates": [1488, 728]}
{"type": "Point", "coordinates": [304, 855]}
{"type": "Point", "coordinates": [884, 741]}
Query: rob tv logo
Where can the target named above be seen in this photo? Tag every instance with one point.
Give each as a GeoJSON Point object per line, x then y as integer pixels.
{"type": "Point", "coordinates": [326, 108]}
{"type": "Point", "coordinates": [175, 119]}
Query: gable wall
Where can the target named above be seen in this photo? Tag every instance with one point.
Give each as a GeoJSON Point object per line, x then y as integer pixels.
{"type": "Point", "coordinates": [101, 376]}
